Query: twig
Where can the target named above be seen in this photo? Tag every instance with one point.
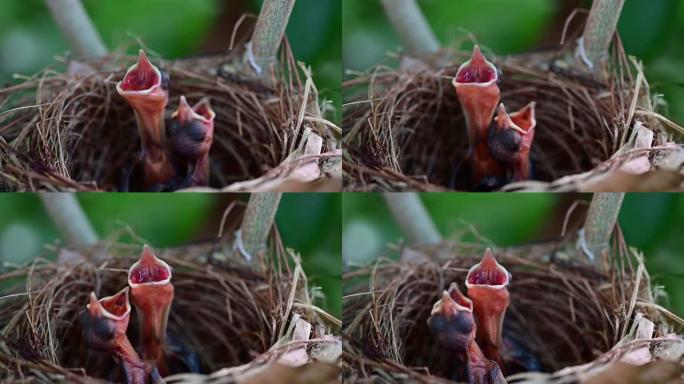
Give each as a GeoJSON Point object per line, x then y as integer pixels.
{"type": "Point", "coordinates": [413, 218]}
{"type": "Point", "coordinates": [598, 32]}
{"type": "Point", "coordinates": [268, 33]}
{"type": "Point", "coordinates": [600, 222]}
{"type": "Point", "coordinates": [77, 28]}
{"type": "Point", "coordinates": [411, 26]}
{"type": "Point", "coordinates": [68, 216]}
{"type": "Point", "coordinates": [257, 222]}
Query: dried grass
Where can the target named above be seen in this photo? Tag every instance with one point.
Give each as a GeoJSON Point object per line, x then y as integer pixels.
{"type": "Point", "coordinates": [66, 128]}
{"type": "Point", "coordinates": [404, 128]}
{"type": "Point", "coordinates": [237, 317]}
{"type": "Point", "coordinates": [567, 312]}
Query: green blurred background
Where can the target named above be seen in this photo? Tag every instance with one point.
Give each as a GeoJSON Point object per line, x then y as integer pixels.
{"type": "Point", "coordinates": [308, 223]}
{"type": "Point", "coordinates": [652, 30]}
{"type": "Point", "coordinates": [651, 222]}
{"type": "Point", "coordinates": [173, 28]}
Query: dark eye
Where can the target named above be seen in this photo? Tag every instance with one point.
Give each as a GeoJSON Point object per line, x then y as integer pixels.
{"type": "Point", "coordinates": [165, 79]}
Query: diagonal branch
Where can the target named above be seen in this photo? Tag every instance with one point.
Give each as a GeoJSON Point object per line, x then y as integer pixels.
{"type": "Point", "coordinates": [411, 26]}
{"type": "Point", "coordinates": [68, 216]}
{"type": "Point", "coordinates": [268, 34]}
{"type": "Point", "coordinates": [599, 31]}
{"type": "Point", "coordinates": [77, 28]}
{"type": "Point", "coordinates": [412, 217]}
{"type": "Point", "coordinates": [258, 220]}
{"type": "Point", "coordinates": [600, 223]}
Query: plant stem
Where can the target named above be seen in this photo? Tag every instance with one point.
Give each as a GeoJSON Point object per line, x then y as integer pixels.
{"type": "Point", "coordinates": [598, 32]}
{"type": "Point", "coordinates": [601, 220]}
{"type": "Point", "coordinates": [68, 216]}
{"type": "Point", "coordinates": [77, 28]}
{"type": "Point", "coordinates": [411, 26]}
{"type": "Point", "coordinates": [258, 220]}
{"type": "Point", "coordinates": [268, 34]}
{"type": "Point", "coordinates": [412, 217]}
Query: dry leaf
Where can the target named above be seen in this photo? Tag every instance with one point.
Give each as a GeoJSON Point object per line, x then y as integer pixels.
{"type": "Point", "coordinates": [313, 373]}
{"type": "Point", "coordinates": [657, 372]}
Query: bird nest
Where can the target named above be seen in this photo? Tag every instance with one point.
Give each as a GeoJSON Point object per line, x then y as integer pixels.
{"type": "Point", "coordinates": [403, 129]}
{"type": "Point", "coordinates": [240, 319]}
{"type": "Point", "coordinates": [66, 128]}
{"type": "Point", "coordinates": [574, 318]}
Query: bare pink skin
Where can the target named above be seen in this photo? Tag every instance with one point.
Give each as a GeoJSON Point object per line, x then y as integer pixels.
{"type": "Point", "coordinates": [454, 327]}
{"type": "Point", "coordinates": [104, 325]}
{"type": "Point", "coordinates": [479, 94]}
{"type": "Point", "coordinates": [523, 122]}
{"type": "Point", "coordinates": [487, 284]}
{"type": "Point", "coordinates": [204, 115]}
{"type": "Point", "coordinates": [152, 292]}
{"type": "Point", "coordinates": [143, 89]}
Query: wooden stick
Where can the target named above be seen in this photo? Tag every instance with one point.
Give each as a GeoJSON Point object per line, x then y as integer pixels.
{"type": "Point", "coordinates": [258, 220]}
{"type": "Point", "coordinates": [411, 26]}
{"type": "Point", "coordinates": [69, 219]}
{"type": "Point", "coordinates": [413, 219]}
{"type": "Point", "coordinates": [599, 31]}
{"type": "Point", "coordinates": [601, 220]}
{"type": "Point", "coordinates": [268, 34]}
{"type": "Point", "coordinates": [77, 28]}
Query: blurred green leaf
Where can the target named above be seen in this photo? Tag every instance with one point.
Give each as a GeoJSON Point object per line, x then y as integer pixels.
{"type": "Point", "coordinates": [171, 28]}
{"type": "Point", "coordinates": [310, 224]}
{"type": "Point", "coordinates": [162, 219]}
{"type": "Point", "coordinates": [646, 25]}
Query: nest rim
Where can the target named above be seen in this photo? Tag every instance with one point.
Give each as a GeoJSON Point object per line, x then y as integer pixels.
{"type": "Point", "coordinates": [265, 290]}
{"type": "Point", "coordinates": [66, 128]}
{"type": "Point", "coordinates": [404, 130]}
{"type": "Point", "coordinates": [378, 330]}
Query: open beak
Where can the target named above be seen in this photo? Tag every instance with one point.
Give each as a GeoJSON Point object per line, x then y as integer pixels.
{"type": "Point", "coordinates": [103, 327]}
{"type": "Point", "coordinates": [145, 88]}
{"type": "Point", "coordinates": [454, 327]}
{"type": "Point", "coordinates": [150, 282]}
{"type": "Point", "coordinates": [487, 283]}
{"type": "Point", "coordinates": [526, 121]}
{"type": "Point", "coordinates": [478, 92]}
{"type": "Point", "coordinates": [451, 321]}
{"type": "Point", "coordinates": [510, 139]}
{"type": "Point", "coordinates": [191, 136]}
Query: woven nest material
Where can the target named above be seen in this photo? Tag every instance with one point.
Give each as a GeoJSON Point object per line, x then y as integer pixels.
{"type": "Point", "coordinates": [241, 319]}
{"type": "Point", "coordinates": [66, 128]}
{"type": "Point", "coordinates": [575, 319]}
{"type": "Point", "coordinates": [404, 128]}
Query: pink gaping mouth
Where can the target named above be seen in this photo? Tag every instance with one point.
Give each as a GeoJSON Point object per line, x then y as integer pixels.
{"type": "Point", "coordinates": [525, 117]}
{"type": "Point", "coordinates": [149, 269]}
{"type": "Point", "coordinates": [116, 307]}
{"type": "Point", "coordinates": [204, 109]}
{"type": "Point", "coordinates": [118, 304]}
{"type": "Point", "coordinates": [142, 76]}
{"type": "Point", "coordinates": [201, 111]}
{"type": "Point", "coordinates": [476, 70]}
{"type": "Point", "coordinates": [488, 272]}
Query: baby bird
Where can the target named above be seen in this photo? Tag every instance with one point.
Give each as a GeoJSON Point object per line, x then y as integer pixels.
{"type": "Point", "coordinates": [476, 84]}
{"type": "Point", "coordinates": [190, 135]}
{"type": "Point", "coordinates": [510, 139]}
{"type": "Point", "coordinates": [453, 325]}
{"type": "Point", "coordinates": [103, 327]}
{"type": "Point", "coordinates": [146, 89]}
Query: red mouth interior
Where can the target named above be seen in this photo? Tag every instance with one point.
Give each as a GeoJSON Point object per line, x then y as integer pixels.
{"type": "Point", "coordinates": [204, 111]}
{"type": "Point", "coordinates": [523, 120]}
{"type": "Point", "coordinates": [141, 78]}
{"type": "Point", "coordinates": [116, 306]}
{"type": "Point", "coordinates": [460, 299]}
{"type": "Point", "coordinates": [487, 276]}
{"type": "Point", "coordinates": [476, 73]}
{"type": "Point", "coordinates": [149, 273]}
